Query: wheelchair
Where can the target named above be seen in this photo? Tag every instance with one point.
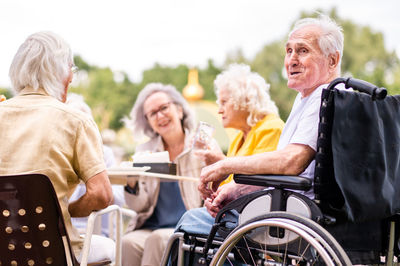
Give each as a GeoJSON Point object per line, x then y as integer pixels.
{"type": "Point", "coordinates": [353, 218]}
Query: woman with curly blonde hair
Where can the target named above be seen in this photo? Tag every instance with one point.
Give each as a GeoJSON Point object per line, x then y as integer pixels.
{"type": "Point", "coordinates": [245, 104]}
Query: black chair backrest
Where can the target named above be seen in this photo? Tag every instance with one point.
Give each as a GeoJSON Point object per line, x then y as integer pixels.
{"type": "Point", "coordinates": [32, 230]}
{"type": "Point", "coordinates": [358, 155]}
{"type": "Point", "coordinates": [327, 192]}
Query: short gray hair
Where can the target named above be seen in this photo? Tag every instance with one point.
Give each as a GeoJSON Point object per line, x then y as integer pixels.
{"type": "Point", "coordinates": [138, 122]}
{"type": "Point", "coordinates": [331, 37]}
{"type": "Point", "coordinates": [248, 91]}
{"type": "Point", "coordinates": [42, 61]}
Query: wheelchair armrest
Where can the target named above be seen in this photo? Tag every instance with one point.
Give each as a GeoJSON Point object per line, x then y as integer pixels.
{"type": "Point", "coordinates": [276, 181]}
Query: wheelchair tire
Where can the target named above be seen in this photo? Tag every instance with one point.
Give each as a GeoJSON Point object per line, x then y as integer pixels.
{"type": "Point", "coordinates": [286, 239]}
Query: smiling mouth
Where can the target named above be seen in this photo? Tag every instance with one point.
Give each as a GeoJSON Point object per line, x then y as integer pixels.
{"type": "Point", "coordinates": [293, 73]}
{"type": "Point", "coordinates": [163, 124]}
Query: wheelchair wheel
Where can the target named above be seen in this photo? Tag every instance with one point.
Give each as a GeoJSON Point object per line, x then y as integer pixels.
{"type": "Point", "coordinates": [280, 238]}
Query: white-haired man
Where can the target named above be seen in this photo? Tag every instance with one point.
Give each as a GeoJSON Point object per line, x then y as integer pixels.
{"type": "Point", "coordinates": [313, 54]}
{"type": "Point", "coordinates": [40, 134]}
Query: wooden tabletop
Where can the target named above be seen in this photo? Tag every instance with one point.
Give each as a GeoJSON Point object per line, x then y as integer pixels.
{"type": "Point", "coordinates": [119, 176]}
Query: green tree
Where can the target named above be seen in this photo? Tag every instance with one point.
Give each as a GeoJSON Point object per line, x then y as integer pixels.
{"type": "Point", "coordinates": [176, 76]}
{"type": "Point", "coordinates": [112, 99]}
{"type": "Point", "coordinates": [364, 57]}
{"type": "Point", "coordinates": [236, 56]}
{"type": "Point", "coordinates": [6, 92]}
{"type": "Point", "coordinates": [109, 99]}
{"type": "Point", "coordinates": [394, 78]}
{"type": "Point", "coordinates": [81, 64]}
{"type": "Point", "coordinates": [269, 64]}
{"type": "Point", "coordinates": [206, 79]}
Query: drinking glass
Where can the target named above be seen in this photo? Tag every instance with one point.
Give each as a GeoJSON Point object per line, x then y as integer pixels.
{"type": "Point", "coordinates": [203, 136]}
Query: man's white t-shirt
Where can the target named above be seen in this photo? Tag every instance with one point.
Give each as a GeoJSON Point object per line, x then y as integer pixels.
{"type": "Point", "coordinates": [302, 127]}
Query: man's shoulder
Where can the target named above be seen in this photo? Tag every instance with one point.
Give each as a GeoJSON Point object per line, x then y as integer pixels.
{"type": "Point", "coordinates": [75, 113]}
{"type": "Point", "coordinates": [313, 101]}
{"type": "Point", "coordinates": [70, 113]}
{"type": "Point", "coordinates": [316, 94]}
{"type": "Point", "coordinates": [48, 104]}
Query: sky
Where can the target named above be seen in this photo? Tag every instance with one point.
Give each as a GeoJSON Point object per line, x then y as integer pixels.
{"type": "Point", "coordinates": [131, 35]}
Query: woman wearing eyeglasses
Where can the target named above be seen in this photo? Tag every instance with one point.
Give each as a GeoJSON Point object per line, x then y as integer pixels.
{"type": "Point", "coordinates": [163, 115]}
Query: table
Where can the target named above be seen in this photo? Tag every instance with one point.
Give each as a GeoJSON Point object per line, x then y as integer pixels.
{"type": "Point", "coordinates": [120, 175]}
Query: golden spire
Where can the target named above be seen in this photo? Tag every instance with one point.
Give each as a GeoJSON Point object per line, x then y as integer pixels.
{"type": "Point", "coordinates": [193, 91]}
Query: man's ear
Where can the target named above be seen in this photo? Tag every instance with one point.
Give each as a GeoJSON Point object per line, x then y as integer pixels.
{"type": "Point", "coordinates": [67, 81]}
{"type": "Point", "coordinates": [64, 95]}
{"type": "Point", "coordinates": [334, 60]}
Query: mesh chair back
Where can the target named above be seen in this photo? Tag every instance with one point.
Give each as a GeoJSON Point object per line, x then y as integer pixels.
{"type": "Point", "coordinates": [32, 230]}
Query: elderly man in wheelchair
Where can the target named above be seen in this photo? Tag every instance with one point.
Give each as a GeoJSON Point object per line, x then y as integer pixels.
{"type": "Point", "coordinates": [330, 194]}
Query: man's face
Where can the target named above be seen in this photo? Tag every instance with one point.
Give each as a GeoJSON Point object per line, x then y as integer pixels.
{"type": "Point", "coordinates": [306, 66]}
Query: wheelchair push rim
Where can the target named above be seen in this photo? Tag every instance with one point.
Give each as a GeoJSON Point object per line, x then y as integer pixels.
{"type": "Point", "coordinates": [320, 244]}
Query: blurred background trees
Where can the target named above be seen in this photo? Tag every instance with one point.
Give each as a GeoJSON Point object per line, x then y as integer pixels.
{"type": "Point", "coordinates": [111, 95]}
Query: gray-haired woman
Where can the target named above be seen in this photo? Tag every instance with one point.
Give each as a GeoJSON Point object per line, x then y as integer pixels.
{"type": "Point", "coordinates": [163, 115]}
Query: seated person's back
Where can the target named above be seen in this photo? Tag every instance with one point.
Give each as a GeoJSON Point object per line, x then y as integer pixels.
{"type": "Point", "coordinates": [40, 134]}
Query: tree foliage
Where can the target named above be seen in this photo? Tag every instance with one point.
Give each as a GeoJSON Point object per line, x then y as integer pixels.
{"type": "Point", "coordinates": [112, 99]}
{"type": "Point", "coordinates": [6, 92]}
{"type": "Point", "coordinates": [269, 64]}
{"type": "Point", "coordinates": [364, 57]}
{"type": "Point", "coordinates": [111, 95]}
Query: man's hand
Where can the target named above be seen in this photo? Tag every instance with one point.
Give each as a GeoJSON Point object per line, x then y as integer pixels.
{"type": "Point", "coordinates": [211, 208]}
{"type": "Point", "coordinates": [221, 197]}
{"type": "Point", "coordinates": [213, 174]}
{"type": "Point", "coordinates": [226, 194]}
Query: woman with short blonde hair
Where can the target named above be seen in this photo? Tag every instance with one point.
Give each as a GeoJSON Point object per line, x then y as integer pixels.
{"type": "Point", "coordinates": [245, 104]}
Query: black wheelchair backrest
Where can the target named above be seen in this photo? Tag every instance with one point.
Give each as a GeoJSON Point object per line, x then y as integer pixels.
{"type": "Point", "coordinates": [358, 152]}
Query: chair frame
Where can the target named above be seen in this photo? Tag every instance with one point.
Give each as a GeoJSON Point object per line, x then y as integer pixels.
{"type": "Point", "coordinates": [89, 232]}
{"type": "Point", "coordinates": [13, 194]}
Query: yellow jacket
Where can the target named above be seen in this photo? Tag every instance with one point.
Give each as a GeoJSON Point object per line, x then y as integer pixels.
{"type": "Point", "coordinates": [263, 137]}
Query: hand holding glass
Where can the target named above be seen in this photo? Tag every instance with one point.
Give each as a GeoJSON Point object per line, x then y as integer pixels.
{"type": "Point", "coordinates": [203, 137]}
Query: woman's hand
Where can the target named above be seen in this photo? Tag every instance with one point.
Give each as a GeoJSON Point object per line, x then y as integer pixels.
{"type": "Point", "coordinates": [209, 156]}
{"type": "Point", "coordinates": [221, 197]}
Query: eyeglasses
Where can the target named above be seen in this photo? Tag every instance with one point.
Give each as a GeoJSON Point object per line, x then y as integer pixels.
{"type": "Point", "coordinates": [74, 69]}
{"type": "Point", "coordinates": [164, 109]}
